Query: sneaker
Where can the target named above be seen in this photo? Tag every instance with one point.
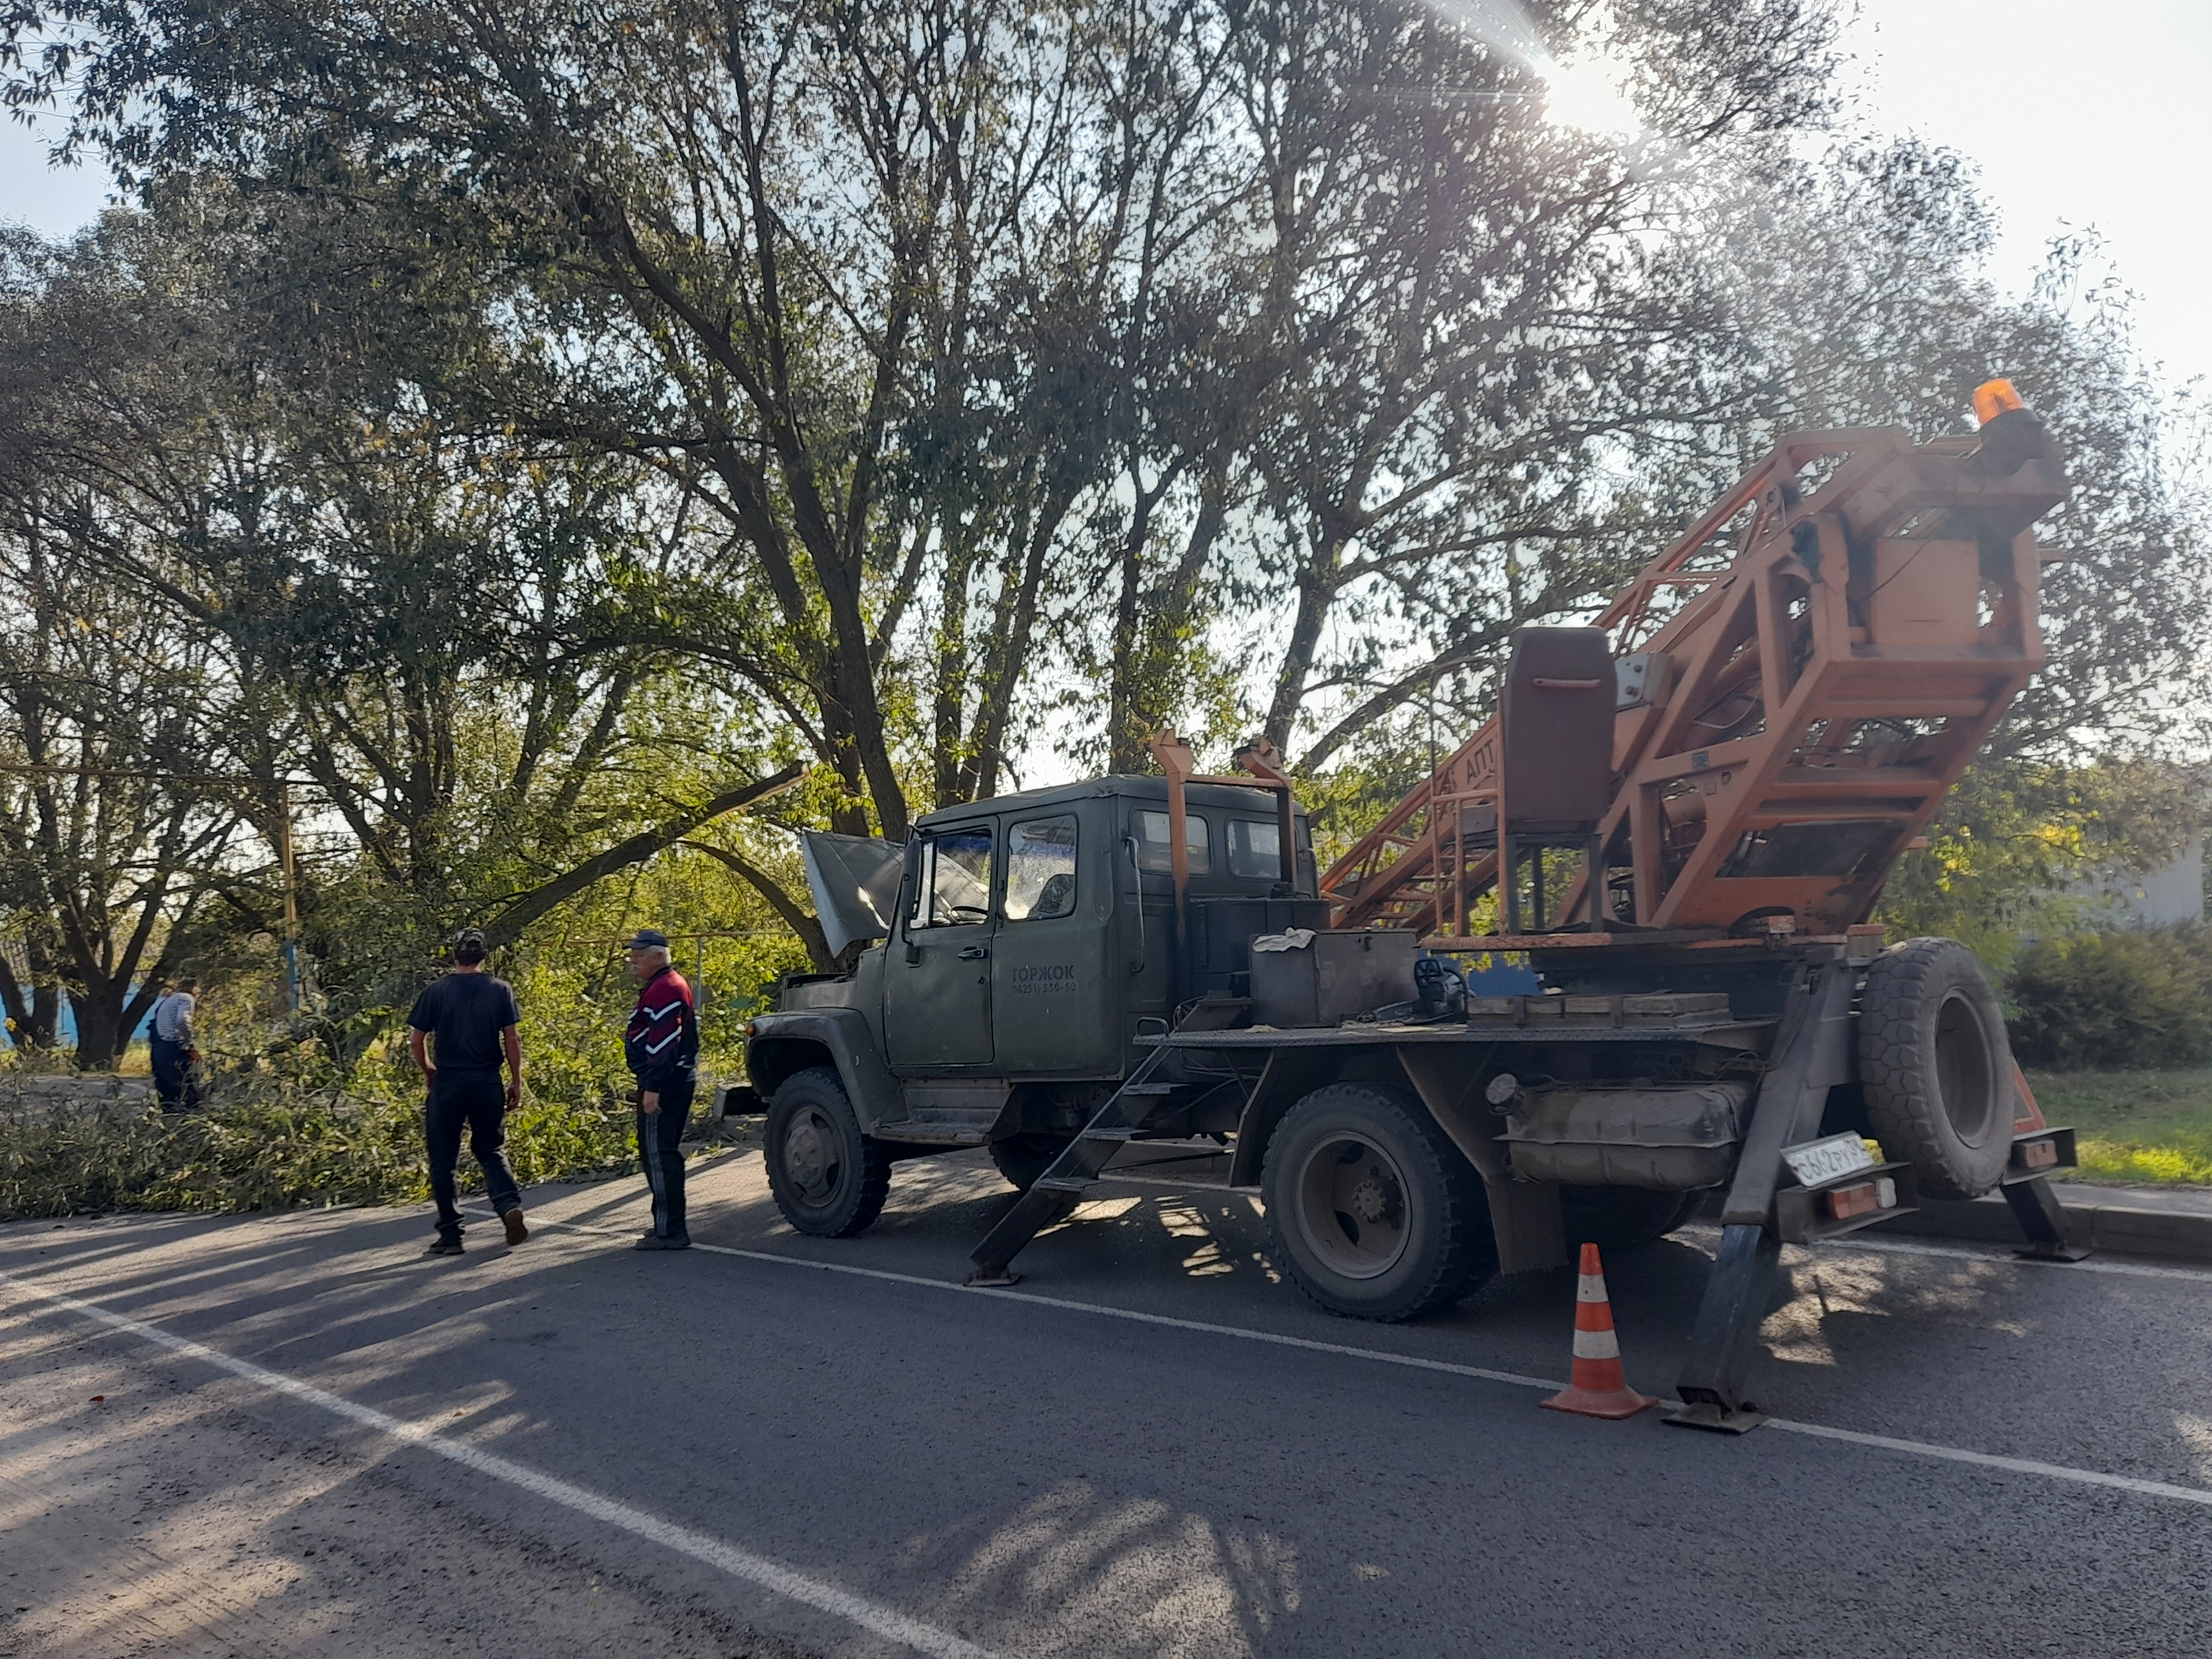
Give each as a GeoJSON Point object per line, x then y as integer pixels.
{"type": "Point", "coordinates": [444, 1247]}
{"type": "Point", "coordinates": [517, 1229]}
{"type": "Point", "coordinates": [655, 1241]}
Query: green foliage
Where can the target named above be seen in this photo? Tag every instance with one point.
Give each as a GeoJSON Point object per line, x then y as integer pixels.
{"type": "Point", "coordinates": [293, 1122]}
{"type": "Point", "coordinates": [271, 1148]}
{"type": "Point", "coordinates": [268, 1154]}
{"type": "Point", "coordinates": [2130, 997]}
{"type": "Point", "coordinates": [2016, 833]}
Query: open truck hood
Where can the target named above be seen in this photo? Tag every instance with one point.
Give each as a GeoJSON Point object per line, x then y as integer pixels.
{"type": "Point", "coordinates": [856, 883]}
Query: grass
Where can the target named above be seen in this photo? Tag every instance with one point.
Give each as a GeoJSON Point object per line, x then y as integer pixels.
{"type": "Point", "coordinates": [2145, 1128]}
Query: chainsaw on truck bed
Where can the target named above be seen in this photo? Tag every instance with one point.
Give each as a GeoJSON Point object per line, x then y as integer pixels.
{"type": "Point", "coordinates": [1682, 817]}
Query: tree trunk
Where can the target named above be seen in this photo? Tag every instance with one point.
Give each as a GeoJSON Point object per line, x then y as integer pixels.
{"type": "Point", "coordinates": [507, 927]}
{"type": "Point", "coordinates": [31, 1018]}
{"type": "Point", "coordinates": [1316, 592]}
{"type": "Point", "coordinates": [100, 1028]}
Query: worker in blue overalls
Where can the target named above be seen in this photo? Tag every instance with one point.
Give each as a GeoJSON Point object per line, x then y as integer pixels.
{"type": "Point", "coordinates": [169, 1035]}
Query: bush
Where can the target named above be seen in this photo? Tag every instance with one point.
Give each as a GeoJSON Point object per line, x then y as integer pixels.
{"type": "Point", "coordinates": [2129, 997]}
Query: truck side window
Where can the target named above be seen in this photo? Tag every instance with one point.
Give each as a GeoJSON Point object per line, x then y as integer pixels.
{"type": "Point", "coordinates": [1152, 843]}
{"type": "Point", "coordinates": [954, 884]}
{"type": "Point", "coordinates": [1040, 870]}
{"type": "Point", "coordinates": [1255, 849]}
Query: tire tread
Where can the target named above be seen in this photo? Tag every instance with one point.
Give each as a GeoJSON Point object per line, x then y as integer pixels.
{"type": "Point", "coordinates": [1463, 1226]}
{"type": "Point", "coordinates": [875, 1159]}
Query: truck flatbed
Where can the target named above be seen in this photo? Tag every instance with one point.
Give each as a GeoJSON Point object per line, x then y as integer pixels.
{"type": "Point", "coordinates": [1728, 1033]}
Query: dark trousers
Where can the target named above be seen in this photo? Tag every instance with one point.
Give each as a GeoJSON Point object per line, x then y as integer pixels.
{"type": "Point", "coordinates": [476, 1100]}
{"type": "Point", "coordinates": [660, 1148]}
{"type": "Point", "coordinates": [173, 1076]}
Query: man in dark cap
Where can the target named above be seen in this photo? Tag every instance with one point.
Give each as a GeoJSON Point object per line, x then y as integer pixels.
{"type": "Point", "coordinates": [662, 1046]}
{"type": "Point", "coordinates": [461, 1028]}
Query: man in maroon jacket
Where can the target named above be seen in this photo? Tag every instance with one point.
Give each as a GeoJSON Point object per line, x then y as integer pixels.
{"type": "Point", "coordinates": [662, 1047]}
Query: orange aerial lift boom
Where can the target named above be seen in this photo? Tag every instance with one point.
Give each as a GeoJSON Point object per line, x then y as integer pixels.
{"type": "Point", "coordinates": [1797, 683]}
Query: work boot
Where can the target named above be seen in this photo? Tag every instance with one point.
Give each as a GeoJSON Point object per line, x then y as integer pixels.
{"type": "Point", "coordinates": [444, 1247]}
{"type": "Point", "coordinates": [517, 1229]}
{"type": "Point", "coordinates": [655, 1241]}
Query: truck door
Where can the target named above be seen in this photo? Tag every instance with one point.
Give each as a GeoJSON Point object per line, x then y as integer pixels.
{"type": "Point", "coordinates": [937, 975]}
{"type": "Point", "coordinates": [1053, 1000]}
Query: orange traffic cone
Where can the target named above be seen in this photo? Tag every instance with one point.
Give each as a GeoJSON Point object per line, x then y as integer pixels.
{"type": "Point", "coordinates": [1597, 1387]}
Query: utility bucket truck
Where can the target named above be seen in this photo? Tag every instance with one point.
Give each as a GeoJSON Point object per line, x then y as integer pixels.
{"type": "Point", "coordinates": [1681, 818]}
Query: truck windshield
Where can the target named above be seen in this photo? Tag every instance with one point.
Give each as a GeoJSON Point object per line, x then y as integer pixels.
{"type": "Point", "coordinates": [954, 884]}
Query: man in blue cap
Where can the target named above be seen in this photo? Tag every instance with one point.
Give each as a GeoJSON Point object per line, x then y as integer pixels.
{"type": "Point", "coordinates": [662, 1047]}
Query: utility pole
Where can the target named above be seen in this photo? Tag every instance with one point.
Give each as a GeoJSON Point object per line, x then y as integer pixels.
{"type": "Point", "coordinates": [291, 897]}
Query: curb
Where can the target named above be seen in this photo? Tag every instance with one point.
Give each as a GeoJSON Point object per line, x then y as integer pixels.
{"type": "Point", "coordinates": [2173, 1235]}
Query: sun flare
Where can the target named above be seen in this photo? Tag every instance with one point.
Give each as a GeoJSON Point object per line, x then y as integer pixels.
{"type": "Point", "coordinates": [1591, 97]}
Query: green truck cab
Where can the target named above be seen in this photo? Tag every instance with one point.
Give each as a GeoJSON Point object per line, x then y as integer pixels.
{"type": "Point", "coordinates": [1014, 955]}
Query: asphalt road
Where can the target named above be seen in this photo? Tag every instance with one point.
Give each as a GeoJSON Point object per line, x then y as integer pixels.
{"type": "Point", "coordinates": [313, 1440]}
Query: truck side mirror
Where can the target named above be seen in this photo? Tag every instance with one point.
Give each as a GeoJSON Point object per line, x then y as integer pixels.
{"type": "Point", "coordinates": [909, 900]}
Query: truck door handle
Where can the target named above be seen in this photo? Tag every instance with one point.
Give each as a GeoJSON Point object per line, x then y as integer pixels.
{"type": "Point", "coordinates": [973, 953]}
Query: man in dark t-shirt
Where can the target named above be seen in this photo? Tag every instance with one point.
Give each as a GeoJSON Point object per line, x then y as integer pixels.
{"type": "Point", "coordinates": [462, 1027]}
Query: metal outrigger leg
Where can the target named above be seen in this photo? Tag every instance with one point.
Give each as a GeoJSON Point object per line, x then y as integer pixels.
{"type": "Point", "coordinates": [2043, 1219]}
{"type": "Point", "coordinates": [1811, 1055]}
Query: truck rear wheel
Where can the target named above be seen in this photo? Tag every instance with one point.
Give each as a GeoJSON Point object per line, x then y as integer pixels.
{"type": "Point", "coordinates": [1616, 1219]}
{"type": "Point", "coordinates": [1370, 1212]}
{"type": "Point", "coordinates": [1936, 1066]}
{"type": "Point", "coordinates": [1022, 1157]}
{"type": "Point", "coordinates": [829, 1179]}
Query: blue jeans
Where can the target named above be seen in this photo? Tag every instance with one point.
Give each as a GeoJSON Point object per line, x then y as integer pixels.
{"type": "Point", "coordinates": [660, 1148]}
{"type": "Point", "coordinates": [477, 1101]}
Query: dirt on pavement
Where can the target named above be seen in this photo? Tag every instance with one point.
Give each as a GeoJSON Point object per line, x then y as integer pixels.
{"type": "Point", "coordinates": [140, 1518]}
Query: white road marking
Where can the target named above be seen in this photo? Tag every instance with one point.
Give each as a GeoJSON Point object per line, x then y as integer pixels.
{"type": "Point", "coordinates": [1996, 1255]}
{"type": "Point", "coordinates": [1989, 1460]}
{"type": "Point", "coordinates": [1171, 1324]}
{"type": "Point", "coordinates": [1815, 1431]}
{"type": "Point", "coordinates": [738, 1563]}
{"type": "Point", "coordinates": [2093, 1265]}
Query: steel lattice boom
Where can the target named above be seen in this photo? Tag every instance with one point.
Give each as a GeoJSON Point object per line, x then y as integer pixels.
{"type": "Point", "coordinates": [1794, 706]}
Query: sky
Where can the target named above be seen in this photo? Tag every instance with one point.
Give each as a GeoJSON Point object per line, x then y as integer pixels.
{"type": "Point", "coordinates": [2080, 116]}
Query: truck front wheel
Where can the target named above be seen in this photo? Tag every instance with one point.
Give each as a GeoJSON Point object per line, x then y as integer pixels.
{"type": "Point", "coordinates": [1370, 1212]}
{"type": "Point", "coordinates": [829, 1179]}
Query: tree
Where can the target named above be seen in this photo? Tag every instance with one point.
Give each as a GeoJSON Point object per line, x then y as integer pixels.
{"type": "Point", "coordinates": [435, 629]}
{"type": "Point", "coordinates": [955, 318]}
{"type": "Point", "coordinates": [121, 822]}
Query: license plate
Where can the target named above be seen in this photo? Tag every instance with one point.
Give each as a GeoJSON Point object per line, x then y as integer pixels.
{"type": "Point", "coordinates": [1817, 1161]}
